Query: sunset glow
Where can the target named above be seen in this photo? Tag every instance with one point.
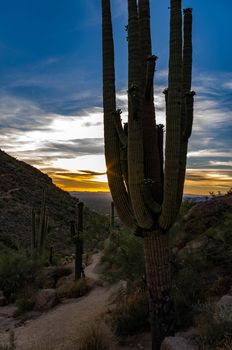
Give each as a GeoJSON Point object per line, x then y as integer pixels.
{"type": "Point", "coordinates": [51, 112]}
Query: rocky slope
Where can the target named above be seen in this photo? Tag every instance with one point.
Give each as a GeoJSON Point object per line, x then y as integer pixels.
{"type": "Point", "coordinates": [21, 189]}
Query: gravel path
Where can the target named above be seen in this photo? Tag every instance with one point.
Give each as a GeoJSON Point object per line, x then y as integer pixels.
{"type": "Point", "coordinates": [58, 327]}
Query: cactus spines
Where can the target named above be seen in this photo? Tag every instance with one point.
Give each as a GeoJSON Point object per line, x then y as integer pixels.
{"type": "Point", "coordinates": [149, 198]}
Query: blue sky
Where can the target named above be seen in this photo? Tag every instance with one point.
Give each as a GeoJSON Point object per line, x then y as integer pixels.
{"type": "Point", "coordinates": [50, 87]}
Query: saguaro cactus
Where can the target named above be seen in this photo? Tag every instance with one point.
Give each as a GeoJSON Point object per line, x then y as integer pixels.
{"type": "Point", "coordinates": [39, 230]}
{"type": "Point", "coordinates": [76, 235]}
{"type": "Point", "coordinates": [147, 191]}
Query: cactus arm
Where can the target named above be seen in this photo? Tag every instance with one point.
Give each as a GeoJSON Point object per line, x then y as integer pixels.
{"type": "Point", "coordinates": [135, 128]}
{"type": "Point", "coordinates": [145, 37]}
{"type": "Point", "coordinates": [112, 146]}
{"type": "Point", "coordinates": [173, 125]}
{"type": "Point", "coordinates": [160, 137]}
{"type": "Point", "coordinates": [150, 72]}
{"type": "Point", "coordinates": [118, 125]}
{"type": "Point", "coordinates": [187, 101]}
{"type": "Point", "coordinates": [133, 45]}
{"type": "Point", "coordinates": [187, 51]}
{"type": "Point", "coordinates": [188, 104]}
{"type": "Point", "coordinates": [152, 168]}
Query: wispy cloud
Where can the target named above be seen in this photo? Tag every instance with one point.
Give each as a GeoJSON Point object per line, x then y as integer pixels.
{"type": "Point", "coordinates": [61, 143]}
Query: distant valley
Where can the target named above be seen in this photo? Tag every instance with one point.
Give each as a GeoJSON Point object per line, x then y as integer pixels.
{"type": "Point", "coordinates": [100, 201]}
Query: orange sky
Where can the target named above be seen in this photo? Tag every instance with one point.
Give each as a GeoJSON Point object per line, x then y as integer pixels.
{"type": "Point", "coordinates": [198, 182]}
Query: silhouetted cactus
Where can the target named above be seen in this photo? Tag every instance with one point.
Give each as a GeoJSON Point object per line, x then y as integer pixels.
{"type": "Point", "coordinates": [112, 218]}
{"type": "Point", "coordinates": [146, 189]}
{"type": "Point", "coordinates": [39, 230]}
{"type": "Point", "coordinates": [77, 238]}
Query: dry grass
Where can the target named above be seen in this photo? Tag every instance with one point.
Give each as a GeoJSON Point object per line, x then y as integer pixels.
{"type": "Point", "coordinates": [74, 289]}
{"type": "Point", "coordinates": [96, 336]}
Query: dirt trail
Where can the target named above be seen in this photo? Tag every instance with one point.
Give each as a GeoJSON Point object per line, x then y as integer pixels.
{"type": "Point", "coordinates": [66, 321]}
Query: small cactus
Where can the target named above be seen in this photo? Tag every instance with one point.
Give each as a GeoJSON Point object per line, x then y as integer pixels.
{"type": "Point", "coordinates": [39, 230]}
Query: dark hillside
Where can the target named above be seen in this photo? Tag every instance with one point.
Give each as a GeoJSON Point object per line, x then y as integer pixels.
{"type": "Point", "coordinates": [21, 189]}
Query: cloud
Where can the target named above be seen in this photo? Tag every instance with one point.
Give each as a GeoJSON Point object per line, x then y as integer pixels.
{"type": "Point", "coordinates": [215, 163]}
{"type": "Point", "coordinates": [73, 148]}
{"type": "Point", "coordinates": [61, 143]}
{"type": "Point", "coordinates": [20, 114]}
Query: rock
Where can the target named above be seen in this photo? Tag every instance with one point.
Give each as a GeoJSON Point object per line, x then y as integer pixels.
{"type": "Point", "coordinates": [196, 244]}
{"type": "Point", "coordinates": [195, 222]}
{"type": "Point", "coordinates": [225, 302]}
{"type": "Point", "coordinates": [45, 299]}
{"type": "Point", "coordinates": [190, 334]}
{"type": "Point", "coordinates": [177, 343]}
{"type": "Point", "coordinates": [223, 309]}
{"type": "Point", "coordinates": [8, 310]}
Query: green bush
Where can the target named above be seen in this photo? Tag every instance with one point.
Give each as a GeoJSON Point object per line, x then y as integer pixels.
{"type": "Point", "coordinates": [192, 276]}
{"type": "Point", "coordinates": [16, 270]}
{"type": "Point", "coordinates": [131, 314]}
{"type": "Point", "coordinates": [26, 299]}
{"type": "Point", "coordinates": [123, 257]}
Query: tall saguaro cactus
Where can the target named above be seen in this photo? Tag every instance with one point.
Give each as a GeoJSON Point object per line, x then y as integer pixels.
{"type": "Point", "coordinates": [147, 191]}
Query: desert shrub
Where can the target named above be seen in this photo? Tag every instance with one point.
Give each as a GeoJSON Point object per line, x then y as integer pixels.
{"type": "Point", "coordinates": [216, 329]}
{"type": "Point", "coordinates": [26, 299]}
{"type": "Point", "coordinates": [74, 289]}
{"type": "Point", "coordinates": [201, 273]}
{"type": "Point", "coordinates": [191, 280]}
{"type": "Point", "coordinates": [24, 305]}
{"type": "Point", "coordinates": [94, 338]}
{"type": "Point", "coordinates": [60, 271]}
{"type": "Point", "coordinates": [130, 314]}
{"type": "Point", "coordinates": [16, 270]}
{"type": "Point", "coordinates": [186, 206]}
{"type": "Point", "coordinates": [96, 230]}
{"type": "Point", "coordinates": [48, 277]}
{"type": "Point", "coordinates": [6, 241]}
{"type": "Point", "coordinates": [123, 257]}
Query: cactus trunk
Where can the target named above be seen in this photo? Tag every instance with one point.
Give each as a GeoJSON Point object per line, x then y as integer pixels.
{"type": "Point", "coordinates": [162, 315]}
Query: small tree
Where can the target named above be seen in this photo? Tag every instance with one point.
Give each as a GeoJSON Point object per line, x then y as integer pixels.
{"type": "Point", "coordinates": [146, 194]}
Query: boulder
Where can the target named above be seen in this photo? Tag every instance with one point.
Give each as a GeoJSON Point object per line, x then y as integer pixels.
{"type": "Point", "coordinates": [225, 302]}
{"type": "Point", "coordinates": [177, 343]}
{"type": "Point", "coordinates": [45, 299]}
{"type": "Point", "coordinates": [223, 309]}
